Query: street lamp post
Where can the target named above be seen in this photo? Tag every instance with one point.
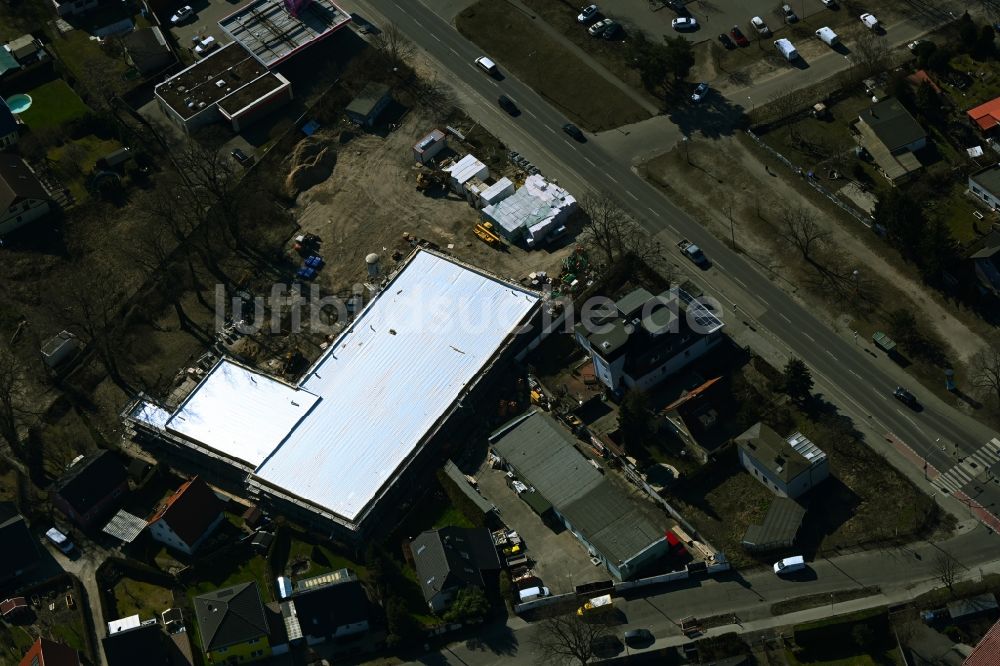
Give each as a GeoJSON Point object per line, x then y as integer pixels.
{"type": "Point", "coordinates": [687, 153]}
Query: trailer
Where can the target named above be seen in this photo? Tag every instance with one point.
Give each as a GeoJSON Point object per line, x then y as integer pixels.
{"type": "Point", "coordinates": [601, 602]}
{"type": "Point", "coordinates": [828, 36]}
{"type": "Point", "coordinates": [884, 342]}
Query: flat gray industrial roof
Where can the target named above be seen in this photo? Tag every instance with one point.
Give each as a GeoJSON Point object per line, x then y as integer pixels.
{"type": "Point", "coordinates": [268, 30]}
{"type": "Point", "coordinates": [545, 457]}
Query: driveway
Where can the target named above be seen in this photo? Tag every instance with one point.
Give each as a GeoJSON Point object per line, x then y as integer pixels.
{"type": "Point", "coordinates": [204, 23]}
{"type": "Point", "coordinates": [559, 559]}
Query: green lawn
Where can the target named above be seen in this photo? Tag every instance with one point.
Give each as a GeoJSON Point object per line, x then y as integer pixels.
{"type": "Point", "coordinates": [95, 70]}
{"type": "Point", "coordinates": [955, 208]}
{"type": "Point", "coordinates": [74, 160]}
{"type": "Point", "coordinates": [52, 105]}
{"type": "Point", "coordinates": [145, 599]}
{"type": "Point", "coordinates": [18, 639]}
{"type": "Point", "coordinates": [219, 572]}
{"type": "Point", "coordinates": [983, 88]}
{"type": "Point", "coordinates": [322, 559]}
{"type": "Point", "coordinates": [72, 634]}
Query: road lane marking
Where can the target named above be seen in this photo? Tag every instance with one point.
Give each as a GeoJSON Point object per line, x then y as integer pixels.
{"type": "Point", "coordinates": [831, 354]}
{"type": "Point", "coordinates": [761, 298]}
{"type": "Point", "coordinates": [912, 422]}
{"type": "Point", "coordinates": [740, 282]}
{"type": "Point", "coordinates": [531, 114]}
{"type": "Point", "coordinates": [550, 129]}
{"type": "Point", "coordinates": [453, 50]}
{"type": "Point", "coordinates": [589, 162]}
{"type": "Point", "coordinates": [629, 192]}
{"type": "Point", "coordinates": [417, 21]}
{"type": "Point", "coordinates": [647, 208]}
{"type": "Point", "coordinates": [612, 178]}
{"type": "Point", "coordinates": [435, 36]}
{"type": "Point", "coordinates": [811, 338]}
{"type": "Point", "coordinates": [854, 373]}
{"type": "Point", "coordinates": [784, 317]}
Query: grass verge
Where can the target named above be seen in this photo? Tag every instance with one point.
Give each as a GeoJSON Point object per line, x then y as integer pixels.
{"type": "Point", "coordinates": [133, 597]}
{"type": "Point", "coordinates": [817, 600]}
{"type": "Point", "coordinates": [53, 104]}
{"type": "Point", "coordinates": [510, 38]}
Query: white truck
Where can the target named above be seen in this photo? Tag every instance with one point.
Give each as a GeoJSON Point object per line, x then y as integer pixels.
{"type": "Point", "coordinates": [602, 602]}
{"type": "Point", "coordinates": [828, 36]}
{"type": "Point", "coordinates": [692, 252]}
{"type": "Point", "coordinates": [786, 48]}
{"type": "Point", "coordinates": [870, 21]}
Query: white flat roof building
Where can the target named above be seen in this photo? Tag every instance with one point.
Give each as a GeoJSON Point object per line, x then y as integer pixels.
{"type": "Point", "coordinates": [466, 169]}
{"type": "Point", "coordinates": [337, 441]}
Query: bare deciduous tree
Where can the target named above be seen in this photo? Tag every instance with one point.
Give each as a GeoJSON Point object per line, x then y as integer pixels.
{"type": "Point", "coordinates": [569, 639]}
{"type": "Point", "coordinates": [11, 386]}
{"type": "Point", "coordinates": [613, 233]}
{"type": "Point", "coordinates": [803, 232]}
{"type": "Point", "coordinates": [985, 366]}
{"type": "Point", "coordinates": [946, 570]}
{"type": "Point", "coordinates": [870, 53]}
{"type": "Point", "coordinates": [394, 45]}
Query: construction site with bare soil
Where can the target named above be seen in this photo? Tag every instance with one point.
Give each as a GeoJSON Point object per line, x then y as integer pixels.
{"type": "Point", "coordinates": [363, 193]}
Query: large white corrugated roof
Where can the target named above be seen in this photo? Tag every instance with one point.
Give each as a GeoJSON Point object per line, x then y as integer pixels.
{"type": "Point", "coordinates": [388, 379]}
{"type": "Point", "coordinates": [240, 413]}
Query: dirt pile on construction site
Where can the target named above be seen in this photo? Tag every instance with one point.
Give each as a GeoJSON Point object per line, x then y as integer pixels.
{"type": "Point", "coordinates": [310, 162]}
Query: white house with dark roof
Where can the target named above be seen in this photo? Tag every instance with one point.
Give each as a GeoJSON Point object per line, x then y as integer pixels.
{"type": "Point", "coordinates": [23, 198]}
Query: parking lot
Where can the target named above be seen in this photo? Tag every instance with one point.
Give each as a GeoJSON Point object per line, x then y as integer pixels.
{"type": "Point", "coordinates": [205, 22]}
{"type": "Point", "coordinates": [558, 559]}
{"type": "Point", "coordinates": [713, 16]}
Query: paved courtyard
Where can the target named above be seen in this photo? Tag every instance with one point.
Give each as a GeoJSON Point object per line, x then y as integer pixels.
{"type": "Point", "coordinates": [559, 559]}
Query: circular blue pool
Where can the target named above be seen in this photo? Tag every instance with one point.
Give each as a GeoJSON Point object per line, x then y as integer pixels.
{"type": "Point", "coordinates": [19, 103]}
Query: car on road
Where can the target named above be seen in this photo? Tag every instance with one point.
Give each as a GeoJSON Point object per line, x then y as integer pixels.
{"type": "Point", "coordinates": [788, 14]}
{"type": "Point", "coordinates": [574, 131]}
{"type": "Point", "coordinates": [738, 36]}
{"type": "Point", "coordinates": [639, 637]}
{"type": "Point", "coordinates": [684, 23]}
{"type": "Point", "coordinates": [487, 65]}
{"type": "Point", "coordinates": [241, 157]}
{"type": "Point", "coordinates": [508, 105]}
{"type": "Point", "coordinates": [700, 91]}
{"type": "Point", "coordinates": [181, 15]}
{"type": "Point", "coordinates": [587, 14]}
{"type": "Point", "coordinates": [789, 565]}
{"type": "Point", "coordinates": [60, 541]}
{"type": "Point", "coordinates": [726, 42]}
{"type": "Point", "coordinates": [905, 397]}
{"type": "Point", "coordinates": [759, 25]}
{"type": "Point", "coordinates": [598, 28]}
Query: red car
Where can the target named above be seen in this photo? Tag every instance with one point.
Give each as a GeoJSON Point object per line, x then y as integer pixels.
{"type": "Point", "coordinates": [738, 36]}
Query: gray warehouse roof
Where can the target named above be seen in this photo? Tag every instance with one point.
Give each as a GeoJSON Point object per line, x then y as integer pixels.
{"type": "Point", "coordinates": [544, 455]}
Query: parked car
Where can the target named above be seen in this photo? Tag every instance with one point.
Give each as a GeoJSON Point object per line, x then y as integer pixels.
{"type": "Point", "coordinates": [598, 28]}
{"type": "Point", "coordinates": [206, 45]}
{"type": "Point", "coordinates": [738, 36]}
{"type": "Point", "coordinates": [759, 25]}
{"type": "Point", "coordinates": [181, 15]}
{"type": "Point", "coordinates": [832, 4]}
{"type": "Point", "coordinates": [790, 17]}
{"type": "Point", "coordinates": [726, 42]}
{"type": "Point", "coordinates": [700, 91]}
{"type": "Point", "coordinates": [587, 14]}
{"type": "Point", "coordinates": [678, 6]}
{"type": "Point", "coordinates": [508, 105]}
{"type": "Point", "coordinates": [612, 30]}
{"type": "Point", "coordinates": [684, 23]}
{"type": "Point", "coordinates": [574, 131]}
{"type": "Point", "coordinates": [59, 540]}
{"type": "Point", "coordinates": [241, 157]}
{"type": "Point", "coordinates": [914, 44]}
{"type": "Point", "coordinates": [789, 565]}
{"type": "Point", "coordinates": [638, 637]}
{"type": "Point", "coordinates": [905, 396]}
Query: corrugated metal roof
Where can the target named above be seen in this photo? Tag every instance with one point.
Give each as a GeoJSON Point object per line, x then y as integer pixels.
{"type": "Point", "coordinates": [390, 377]}
{"type": "Point", "coordinates": [124, 526]}
{"type": "Point", "coordinates": [466, 168]}
{"type": "Point", "coordinates": [544, 455]}
{"type": "Point", "coordinates": [240, 413]}
{"type": "Point", "coordinates": [150, 414]}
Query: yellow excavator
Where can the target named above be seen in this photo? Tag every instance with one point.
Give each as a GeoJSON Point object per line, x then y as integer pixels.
{"type": "Point", "coordinates": [484, 231]}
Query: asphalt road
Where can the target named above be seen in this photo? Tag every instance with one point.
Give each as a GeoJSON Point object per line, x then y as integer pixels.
{"type": "Point", "coordinates": [864, 384]}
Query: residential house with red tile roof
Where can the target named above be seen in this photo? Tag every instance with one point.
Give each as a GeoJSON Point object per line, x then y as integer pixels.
{"type": "Point", "coordinates": [987, 652]}
{"type": "Point", "coordinates": [44, 652]}
{"type": "Point", "coordinates": [188, 517]}
{"type": "Point", "coordinates": [986, 116]}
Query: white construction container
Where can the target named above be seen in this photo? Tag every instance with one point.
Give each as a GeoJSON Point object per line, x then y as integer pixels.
{"type": "Point", "coordinates": [786, 48]}
{"type": "Point", "coordinates": [828, 36]}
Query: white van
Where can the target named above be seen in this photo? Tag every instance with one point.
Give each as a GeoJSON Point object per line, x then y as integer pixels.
{"type": "Point", "coordinates": [533, 593]}
{"type": "Point", "coordinates": [828, 36]}
{"type": "Point", "coordinates": [487, 65]}
{"type": "Point", "coordinates": [790, 565]}
{"type": "Point", "coordinates": [787, 49]}
{"type": "Point", "coordinates": [59, 540]}
{"type": "Point", "coordinates": [870, 21]}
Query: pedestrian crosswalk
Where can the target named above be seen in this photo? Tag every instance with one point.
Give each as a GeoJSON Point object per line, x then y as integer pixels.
{"type": "Point", "coordinates": [973, 466]}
